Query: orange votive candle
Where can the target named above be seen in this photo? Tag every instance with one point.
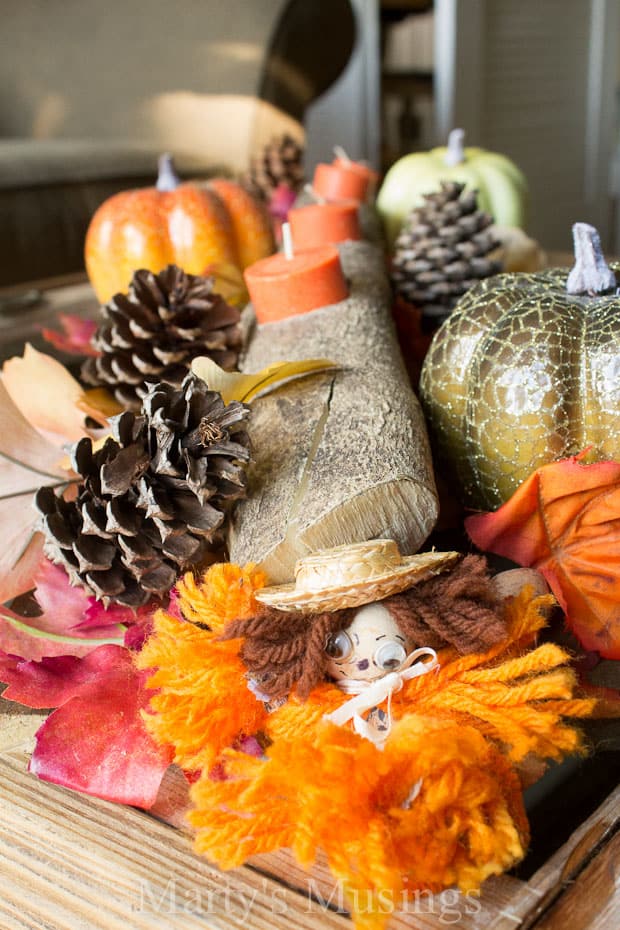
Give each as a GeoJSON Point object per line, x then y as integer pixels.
{"type": "Point", "coordinates": [280, 287]}
{"type": "Point", "coordinates": [324, 223]}
{"type": "Point", "coordinates": [344, 180]}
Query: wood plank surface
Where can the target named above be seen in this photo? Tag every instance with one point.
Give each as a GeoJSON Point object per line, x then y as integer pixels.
{"type": "Point", "coordinates": [69, 862]}
{"type": "Point", "coordinates": [591, 901]}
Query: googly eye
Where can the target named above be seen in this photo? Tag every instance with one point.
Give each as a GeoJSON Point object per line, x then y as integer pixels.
{"type": "Point", "coordinates": [390, 656]}
{"type": "Point", "coordinates": [339, 646]}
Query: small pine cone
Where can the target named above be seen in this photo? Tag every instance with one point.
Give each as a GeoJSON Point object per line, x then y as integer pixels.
{"type": "Point", "coordinates": [155, 331]}
{"type": "Point", "coordinates": [154, 499]}
{"type": "Point", "coordinates": [443, 249]}
{"type": "Point", "coordinates": [280, 162]}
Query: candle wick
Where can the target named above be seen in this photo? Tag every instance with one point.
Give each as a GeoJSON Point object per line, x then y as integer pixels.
{"type": "Point", "coordinates": [309, 189]}
{"type": "Point", "coordinates": [339, 152]}
{"type": "Point", "coordinates": [287, 241]}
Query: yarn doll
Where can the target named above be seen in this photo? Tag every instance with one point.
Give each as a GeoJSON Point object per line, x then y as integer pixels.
{"type": "Point", "coordinates": [377, 708]}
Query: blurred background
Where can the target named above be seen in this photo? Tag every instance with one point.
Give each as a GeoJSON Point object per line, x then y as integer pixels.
{"type": "Point", "coordinates": [90, 93]}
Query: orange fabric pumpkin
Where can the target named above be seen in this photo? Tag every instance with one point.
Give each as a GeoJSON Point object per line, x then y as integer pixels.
{"type": "Point", "coordinates": [200, 228]}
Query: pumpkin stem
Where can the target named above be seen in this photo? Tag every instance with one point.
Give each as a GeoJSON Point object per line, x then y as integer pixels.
{"type": "Point", "coordinates": [455, 153]}
{"type": "Point", "coordinates": [167, 178]}
{"type": "Point", "coordinates": [590, 274]}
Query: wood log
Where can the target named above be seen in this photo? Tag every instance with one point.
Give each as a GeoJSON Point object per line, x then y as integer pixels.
{"type": "Point", "coordinates": [343, 456]}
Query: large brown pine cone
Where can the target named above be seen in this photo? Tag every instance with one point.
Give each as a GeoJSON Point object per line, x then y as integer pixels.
{"type": "Point", "coordinates": [155, 331]}
{"type": "Point", "coordinates": [442, 250]}
{"type": "Point", "coordinates": [154, 499]}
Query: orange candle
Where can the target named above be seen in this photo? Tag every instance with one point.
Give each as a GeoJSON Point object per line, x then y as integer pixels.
{"type": "Point", "coordinates": [344, 180]}
{"type": "Point", "coordinates": [280, 287]}
{"type": "Point", "coordinates": [322, 223]}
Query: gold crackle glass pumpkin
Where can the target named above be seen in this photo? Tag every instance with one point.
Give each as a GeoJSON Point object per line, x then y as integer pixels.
{"type": "Point", "coordinates": [526, 370]}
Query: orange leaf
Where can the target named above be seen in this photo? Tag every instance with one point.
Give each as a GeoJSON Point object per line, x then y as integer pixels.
{"type": "Point", "coordinates": [46, 394]}
{"type": "Point", "coordinates": [99, 404]}
{"type": "Point", "coordinates": [565, 521]}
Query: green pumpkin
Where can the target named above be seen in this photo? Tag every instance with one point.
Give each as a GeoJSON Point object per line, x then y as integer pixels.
{"type": "Point", "coordinates": [501, 186]}
{"type": "Point", "coordinates": [526, 371]}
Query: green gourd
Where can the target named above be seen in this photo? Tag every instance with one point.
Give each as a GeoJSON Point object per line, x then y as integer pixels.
{"type": "Point", "coordinates": [526, 370]}
{"type": "Point", "coordinates": [501, 186]}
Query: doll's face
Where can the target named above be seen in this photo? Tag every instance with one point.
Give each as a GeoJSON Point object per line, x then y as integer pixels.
{"type": "Point", "coordinates": [369, 648]}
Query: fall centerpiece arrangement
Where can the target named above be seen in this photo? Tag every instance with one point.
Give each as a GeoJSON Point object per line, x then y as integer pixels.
{"type": "Point", "coordinates": [217, 537]}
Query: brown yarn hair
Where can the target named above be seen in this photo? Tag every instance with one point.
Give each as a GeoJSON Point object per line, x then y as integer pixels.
{"type": "Point", "coordinates": [459, 609]}
{"type": "Point", "coordinates": [283, 650]}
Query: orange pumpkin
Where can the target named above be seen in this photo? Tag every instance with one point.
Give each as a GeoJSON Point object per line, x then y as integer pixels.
{"type": "Point", "coordinates": [200, 228]}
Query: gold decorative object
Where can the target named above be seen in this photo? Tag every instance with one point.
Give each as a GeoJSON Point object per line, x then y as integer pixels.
{"type": "Point", "coordinates": [526, 370]}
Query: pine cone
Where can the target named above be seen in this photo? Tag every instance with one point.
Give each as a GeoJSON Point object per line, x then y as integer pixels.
{"type": "Point", "coordinates": [154, 332]}
{"type": "Point", "coordinates": [153, 501]}
{"type": "Point", "coordinates": [442, 250]}
{"type": "Point", "coordinates": [279, 163]}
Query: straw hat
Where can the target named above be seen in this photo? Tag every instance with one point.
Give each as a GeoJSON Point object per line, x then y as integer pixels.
{"type": "Point", "coordinates": [349, 576]}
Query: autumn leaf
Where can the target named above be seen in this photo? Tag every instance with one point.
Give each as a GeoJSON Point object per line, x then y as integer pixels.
{"type": "Point", "coordinates": [229, 282]}
{"type": "Point", "coordinates": [236, 385]}
{"type": "Point", "coordinates": [99, 404]}
{"type": "Point", "coordinates": [42, 408]}
{"type": "Point", "coordinates": [27, 461]}
{"type": "Point", "coordinates": [95, 741]}
{"type": "Point", "coordinates": [75, 336]}
{"type": "Point", "coordinates": [46, 394]}
{"type": "Point", "coordinates": [565, 522]}
{"type": "Point", "coordinates": [69, 621]}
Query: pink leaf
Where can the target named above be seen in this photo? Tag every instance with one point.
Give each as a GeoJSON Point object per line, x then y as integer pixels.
{"type": "Point", "coordinates": [75, 336]}
{"type": "Point", "coordinates": [72, 609]}
{"type": "Point", "coordinates": [95, 742]}
{"type": "Point", "coordinates": [63, 606]}
{"type": "Point", "coordinates": [98, 617]}
{"type": "Point", "coordinates": [63, 612]}
{"type": "Point", "coordinates": [281, 201]}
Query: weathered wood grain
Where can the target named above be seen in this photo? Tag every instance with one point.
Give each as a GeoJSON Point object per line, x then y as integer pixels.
{"type": "Point", "coordinates": [592, 900]}
{"type": "Point", "coordinates": [344, 456]}
{"type": "Point", "coordinates": [69, 862]}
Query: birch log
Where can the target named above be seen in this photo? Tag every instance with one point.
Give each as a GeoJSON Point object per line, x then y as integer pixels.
{"type": "Point", "coordinates": [343, 456]}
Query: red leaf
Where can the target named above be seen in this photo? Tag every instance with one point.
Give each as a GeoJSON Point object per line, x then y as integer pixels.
{"type": "Point", "coordinates": [98, 617]}
{"type": "Point", "coordinates": [64, 613]}
{"type": "Point", "coordinates": [75, 336]}
{"type": "Point", "coordinates": [95, 742]}
{"type": "Point", "coordinates": [65, 608]}
{"type": "Point", "coordinates": [565, 521]}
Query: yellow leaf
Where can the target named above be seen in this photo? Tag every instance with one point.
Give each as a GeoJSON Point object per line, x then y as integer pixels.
{"type": "Point", "coordinates": [235, 385]}
{"type": "Point", "coordinates": [228, 282]}
{"type": "Point", "coordinates": [99, 404]}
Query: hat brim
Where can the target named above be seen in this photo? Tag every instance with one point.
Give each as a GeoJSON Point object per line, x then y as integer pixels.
{"type": "Point", "coordinates": [413, 570]}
